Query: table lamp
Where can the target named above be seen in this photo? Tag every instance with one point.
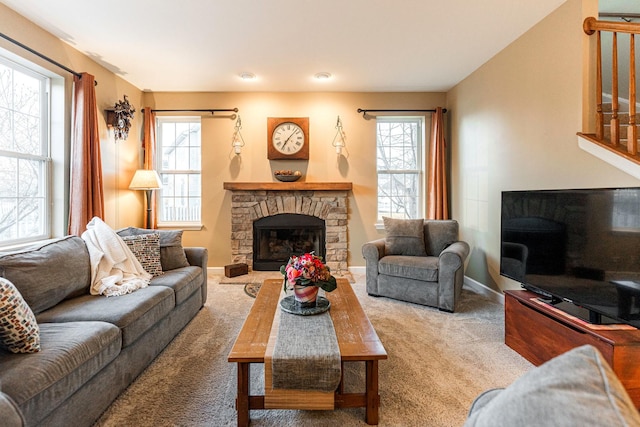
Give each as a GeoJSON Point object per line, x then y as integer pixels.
{"type": "Point", "coordinates": [147, 180]}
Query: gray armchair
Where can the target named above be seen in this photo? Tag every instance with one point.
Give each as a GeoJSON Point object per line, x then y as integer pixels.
{"type": "Point", "coordinates": [433, 279]}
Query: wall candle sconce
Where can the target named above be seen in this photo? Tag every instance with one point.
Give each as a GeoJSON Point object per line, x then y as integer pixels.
{"type": "Point", "coordinates": [340, 140]}
{"type": "Point", "coordinates": [237, 142]}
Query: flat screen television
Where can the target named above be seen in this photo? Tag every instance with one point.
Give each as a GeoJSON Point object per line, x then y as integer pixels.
{"type": "Point", "coordinates": [578, 249]}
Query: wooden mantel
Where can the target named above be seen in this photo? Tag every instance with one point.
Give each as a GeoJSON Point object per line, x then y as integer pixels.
{"type": "Point", "coordinates": [288, 186]}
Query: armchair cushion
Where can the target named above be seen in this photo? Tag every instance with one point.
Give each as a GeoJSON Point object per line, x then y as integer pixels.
{"type": "Point", "coordinates": [410, 267]}
{"type": "Point", "coordinates": [404, 237]}
{"type": "Point", "coordinates": [439, 235]}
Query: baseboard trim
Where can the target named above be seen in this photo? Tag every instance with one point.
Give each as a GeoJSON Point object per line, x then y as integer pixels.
{"type": "Point", "coordinates": [358, 270]}
{"type": "Point", "coordinates": [215, 270]}
{"type": "Point", "coordinates": [483, 290]}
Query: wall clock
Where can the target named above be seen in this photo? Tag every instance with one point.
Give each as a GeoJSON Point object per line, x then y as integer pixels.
{"type": "Point", "coordinates": [288, 138]}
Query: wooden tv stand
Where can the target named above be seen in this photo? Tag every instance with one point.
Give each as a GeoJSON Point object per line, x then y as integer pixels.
{"type": "Point", "coordinates": [540, 332]}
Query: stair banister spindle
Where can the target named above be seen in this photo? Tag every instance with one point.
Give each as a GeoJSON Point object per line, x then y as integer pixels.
{"type": "Point", "coordinates": [632, 130]}
{"type": "Point", "coordinates": [615, 121]}
{"type": "Point", "coordinates": [599, 114]}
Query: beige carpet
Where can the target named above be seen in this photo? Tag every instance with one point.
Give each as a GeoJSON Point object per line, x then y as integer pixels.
{"type": "Point", "coordinates": [438, 363]}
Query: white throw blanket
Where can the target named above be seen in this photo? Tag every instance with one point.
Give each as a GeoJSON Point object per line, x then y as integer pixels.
{"type": "Point", "coordinates": [114, 268]}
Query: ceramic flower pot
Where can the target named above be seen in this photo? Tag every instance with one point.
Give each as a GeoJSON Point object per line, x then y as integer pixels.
{"type": "Point", "coordinates": [305, 295]}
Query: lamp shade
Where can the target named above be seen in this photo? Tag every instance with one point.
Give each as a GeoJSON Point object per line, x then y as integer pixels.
{"type": "Point", "coordinates": [145, 179]}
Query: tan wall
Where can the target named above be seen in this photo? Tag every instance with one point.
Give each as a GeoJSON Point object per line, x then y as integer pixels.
{"type": "Point", "coordinates": [513, 126]}
{"type": "Point", "coordinates": [123, 207]}
{"type": "Point", "coordinates": [220, 165]}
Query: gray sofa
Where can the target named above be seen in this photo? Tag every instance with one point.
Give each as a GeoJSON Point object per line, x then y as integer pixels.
{"type": "Point", "coordinates": [92, 347]}
{"type": "Point", "coordinates": [423, 265]}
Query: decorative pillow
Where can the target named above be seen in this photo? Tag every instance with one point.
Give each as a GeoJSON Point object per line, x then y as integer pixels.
{"type": "Point", "coordinates": [404, 237]}
{"type": "Point", "coordinates": [577, 388]}
{"type": "Point", "coordinates": [172, 254]}
{"type": "Point", "coordinates": [19, 331]}
{"type": "Point", "coordinates": [146, 248]}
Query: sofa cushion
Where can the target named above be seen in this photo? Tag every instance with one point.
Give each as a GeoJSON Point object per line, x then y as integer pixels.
{"type": "Point", "coordinates": [172, 253]}
{"type": "Point", "coordinates": [133, 313]}
{"type": "Point", "coordinates": [47, 274]}
{"type": "Point", "coordinates": [72, 353]}
{"type": "Point", "coordinates": [410, 267]}
{"type": "Point", "coordinates": [184, 282]}
{"type": "Point", "coordinates": [19, 331]}
{"type": "Point", "coordinates": [146, 249]}
{"type": "Point", "coordinates": [577, 388]}
{"type": "Point", "coordinates": [404, 236]}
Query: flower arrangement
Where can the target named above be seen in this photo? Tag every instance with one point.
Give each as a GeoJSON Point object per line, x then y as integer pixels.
{"type": "Point", "coordinates": [308, 270]}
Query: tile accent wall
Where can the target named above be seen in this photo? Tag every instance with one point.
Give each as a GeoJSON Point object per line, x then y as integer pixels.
{"type": "Point", "coordinates": [329, 205]}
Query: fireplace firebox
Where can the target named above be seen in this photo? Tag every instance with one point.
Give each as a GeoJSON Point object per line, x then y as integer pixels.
{"type": "Point", "coordinates": [277, 237]}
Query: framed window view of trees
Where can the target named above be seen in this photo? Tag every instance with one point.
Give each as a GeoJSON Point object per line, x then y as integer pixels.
{"type": "Point", "coordinates": [400, 167]}
{"type": "Point", "coordinates": [24, 154]}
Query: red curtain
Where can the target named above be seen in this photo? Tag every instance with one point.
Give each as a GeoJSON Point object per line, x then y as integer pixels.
{"type": "Point", "coordinates": [86, 198]}
{"type": "Point", "coordinates": [438, 207]}
{"type": "Point", "coordinates": [149, 147]}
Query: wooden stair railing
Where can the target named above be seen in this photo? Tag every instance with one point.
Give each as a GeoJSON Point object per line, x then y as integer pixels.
{"type": "Point", "coordinates": [630, 149]}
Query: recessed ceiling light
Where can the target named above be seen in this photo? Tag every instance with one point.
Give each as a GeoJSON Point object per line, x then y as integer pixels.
{"type": "Point", "coordinates": [247, 76]}
{"type": "Point", "coordinates": [322, 76]}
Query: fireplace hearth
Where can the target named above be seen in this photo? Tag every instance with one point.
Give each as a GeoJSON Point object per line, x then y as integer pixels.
{"type": "Point", "coordinates": [277, 237]}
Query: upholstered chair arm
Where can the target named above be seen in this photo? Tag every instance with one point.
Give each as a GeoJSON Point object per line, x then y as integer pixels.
{"type": "Point", "coordinates": [451, 274]}
{"type": "Point", "coordinates": [9, 412]}
{"type": "Point", "coordinates": [198, 256]}
{"type": "Point", "coordinates": [372, 252]}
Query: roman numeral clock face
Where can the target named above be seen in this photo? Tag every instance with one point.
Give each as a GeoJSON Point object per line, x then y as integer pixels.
{"type": "Point", "coordinates": [288, 138]}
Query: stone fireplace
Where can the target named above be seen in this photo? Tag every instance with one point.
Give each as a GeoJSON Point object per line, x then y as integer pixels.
{"type": "Point", "coordinates": [323, 202]}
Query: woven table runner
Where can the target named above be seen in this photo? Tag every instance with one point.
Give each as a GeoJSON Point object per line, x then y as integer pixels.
{"type": "Point", "coordinates": [306, 355]}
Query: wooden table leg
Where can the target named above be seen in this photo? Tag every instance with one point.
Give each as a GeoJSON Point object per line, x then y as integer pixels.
{"type": "Point", "coordinates": [373, 399]}
{"type": "Point", "coordinates": [242, 399]}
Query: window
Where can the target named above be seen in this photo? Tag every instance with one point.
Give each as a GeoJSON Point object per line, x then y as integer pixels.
{"type": "Point", "coordinates": [25, 208]}
{"type": "Point", "coordinates": [400, 167]}
{"type": "Point", "coordinates": [179, 149]}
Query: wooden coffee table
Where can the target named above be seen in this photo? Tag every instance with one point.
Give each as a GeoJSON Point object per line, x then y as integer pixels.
{"type": "Point", "coordinates": [357, 340]}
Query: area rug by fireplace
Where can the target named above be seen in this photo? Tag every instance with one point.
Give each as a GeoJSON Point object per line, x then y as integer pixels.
{"type": "Point", "coordinates": [261, 276]}
{"type": "Point", "coordinates": [252, 289]}
{"type": "Point", "coordinates": [251, 277]}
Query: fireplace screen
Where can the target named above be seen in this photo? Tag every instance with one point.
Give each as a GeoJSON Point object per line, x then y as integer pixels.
{"type": "Point", "coordinates": [277, 237]}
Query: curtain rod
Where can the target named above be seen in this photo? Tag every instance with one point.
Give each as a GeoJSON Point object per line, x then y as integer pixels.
{"type": "Point", "coordinates": [46, 58]}
{"type": "Point", "coordinates": [210, 110]}
{"type": "Point", "coordinates": [364, 112]}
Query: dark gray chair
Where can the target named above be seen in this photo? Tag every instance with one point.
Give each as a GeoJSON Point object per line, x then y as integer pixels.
{"type": "Point", "coordinates": [434, 278]}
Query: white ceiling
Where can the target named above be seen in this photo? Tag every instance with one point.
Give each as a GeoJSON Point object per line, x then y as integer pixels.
{"type": "Point", "coordinates": [366, 45]}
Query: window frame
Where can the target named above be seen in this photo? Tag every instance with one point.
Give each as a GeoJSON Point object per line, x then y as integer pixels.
{"type": "Point", "coordinates": [162, 223]}
{"type": "Point", "coordinates": [420, 172]}
{"type": "Point", "coordinates": [44, 157]}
